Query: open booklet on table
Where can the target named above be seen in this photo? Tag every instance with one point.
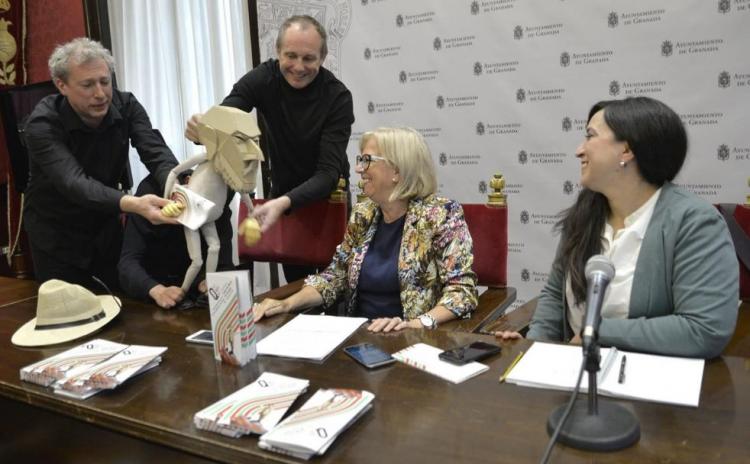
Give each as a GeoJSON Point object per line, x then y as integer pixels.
{"type": "Point", "coordinates": [662, 379]}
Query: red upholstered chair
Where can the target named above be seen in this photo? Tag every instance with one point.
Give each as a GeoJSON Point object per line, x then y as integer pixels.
{"type": "Point", "coordinates": [307, 236]}
{"type": "Point", "coordinates": [488, 226]}
{"type": "Point", "coordinates": [738, 221]}
{"type": "Point", "coordinates": [16, 104]}
{"type": "Point", "coordinates": [742, 216]}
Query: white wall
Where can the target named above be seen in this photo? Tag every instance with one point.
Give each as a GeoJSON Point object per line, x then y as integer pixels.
{"type": "Point", "coordinates": [479, 57]}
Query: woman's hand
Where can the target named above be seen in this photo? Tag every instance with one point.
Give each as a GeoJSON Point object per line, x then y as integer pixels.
{"type": "Point", "coordinates": [393, 324]}
{"type": "Point", "coordinates": [269, 307]}
{"type": "Point", "coordinates": [506, 335]}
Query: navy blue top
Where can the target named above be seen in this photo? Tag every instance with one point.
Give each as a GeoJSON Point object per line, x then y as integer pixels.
{"type": "Point", "coordinates": [379, 291]}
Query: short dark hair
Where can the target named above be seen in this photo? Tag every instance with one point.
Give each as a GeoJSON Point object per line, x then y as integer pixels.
{"type": "Point", "coordinates": [653, 131]}
{"type": "Point", "coordinates": [304, 21]}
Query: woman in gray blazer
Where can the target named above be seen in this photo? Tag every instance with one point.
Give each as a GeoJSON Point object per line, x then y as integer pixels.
{"type": "Point", "coordinates": [676, 286]}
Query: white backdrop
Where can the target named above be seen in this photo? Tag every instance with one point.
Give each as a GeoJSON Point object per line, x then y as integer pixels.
{"type": "Point", "coordinates": [505, 86]}
{"type": "Point", "coordinates": [178, 57]}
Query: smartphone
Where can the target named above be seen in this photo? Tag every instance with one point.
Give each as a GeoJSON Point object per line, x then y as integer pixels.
{"type": "Point", "coordinates": [204, 337]}
{"type": "Point", "coordinates": [369, 355]}
{"type": "Point", "coordinates": [468, 353]}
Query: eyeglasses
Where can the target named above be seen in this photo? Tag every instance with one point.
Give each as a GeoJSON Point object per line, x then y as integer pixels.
{"type": "Point", "coordinates": [365, 160]}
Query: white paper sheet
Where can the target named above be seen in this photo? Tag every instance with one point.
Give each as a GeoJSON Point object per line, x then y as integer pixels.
{"type": "Point", "coordinates": [309, 337]}
{"type": "Point", "coordinates": [648, 377]}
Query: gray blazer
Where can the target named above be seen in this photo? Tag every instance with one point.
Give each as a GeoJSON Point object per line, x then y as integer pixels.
{"type": "Point", "coordinates": [685, 289]}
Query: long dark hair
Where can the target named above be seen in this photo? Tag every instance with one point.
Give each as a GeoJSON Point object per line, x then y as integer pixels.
{"type": "Point", "coordinates": [657, 139]}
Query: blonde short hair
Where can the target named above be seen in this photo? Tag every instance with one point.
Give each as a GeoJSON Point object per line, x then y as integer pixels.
{"type": "Point", "coordinates": [407, 151]}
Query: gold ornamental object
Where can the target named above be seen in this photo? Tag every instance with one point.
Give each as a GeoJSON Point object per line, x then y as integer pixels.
{"type": "Point", "coordinates": [497, 197]}
{"type": "Point", "coordinates": [8, 49]}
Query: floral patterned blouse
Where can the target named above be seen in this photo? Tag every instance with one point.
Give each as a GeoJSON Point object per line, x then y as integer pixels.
{"type": "Point", "coordinates": [434, 264]}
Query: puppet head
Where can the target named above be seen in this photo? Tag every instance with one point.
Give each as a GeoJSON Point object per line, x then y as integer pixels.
{"type": "Point", "coordinates": [231, 139]}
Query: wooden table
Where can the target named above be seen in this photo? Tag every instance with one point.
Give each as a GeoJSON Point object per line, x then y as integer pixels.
{"type": "Point", "coordinates": [739, 345]}
{"type": "Point", "coordinates": [13, 290]}
{"type": "Point", "coordinates": [415, 417]}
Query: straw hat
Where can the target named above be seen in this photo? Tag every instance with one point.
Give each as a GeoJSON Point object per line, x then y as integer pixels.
{"type": "Point", "coordinates": [65, 312]}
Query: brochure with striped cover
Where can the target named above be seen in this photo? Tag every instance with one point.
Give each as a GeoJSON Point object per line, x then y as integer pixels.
{"type": "Point", "coordinates": [255, 408]}
{"type": "Point", "coordinates": [231, 305]}
{"type": "Point", "coordinates": [85, 382]}
{"type": "Point", "coordinates": [50, 370]}
{"type": "Point", "coordinates": [313, 428]}
{"type": "Point", "coordinates": [87, 369]}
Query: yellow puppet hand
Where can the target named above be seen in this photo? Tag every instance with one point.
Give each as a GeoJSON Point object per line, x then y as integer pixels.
{"type": "Point", "coordinates": [250, 230]}
{"type": "Point", "coordinates": [172, 209]}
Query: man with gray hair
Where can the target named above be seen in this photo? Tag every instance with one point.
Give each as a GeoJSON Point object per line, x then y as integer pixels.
{"type": "Point", "coordinates": [78, 167]}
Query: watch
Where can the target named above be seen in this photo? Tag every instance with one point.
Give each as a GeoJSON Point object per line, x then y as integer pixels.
{"type": "Point", "coordinates": [428, 322]}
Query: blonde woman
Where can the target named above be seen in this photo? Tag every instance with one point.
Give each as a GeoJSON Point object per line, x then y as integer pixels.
{"type": "Point", "coordinates": [406, 258]}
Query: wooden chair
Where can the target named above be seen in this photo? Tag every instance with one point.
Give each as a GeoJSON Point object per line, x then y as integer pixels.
{"type": "Point", "coordinates": [306, 236]}
{"type": "Point", "coordinates": [739, 227]}
{"type": "Point", "coordinates": [738, 221]}
{"type": "Point", "coordinates": [488, 226]}
{"type": "Point", "coordinates": [742, 215]}
{"type": "Point", "coordinates": [16, 104]}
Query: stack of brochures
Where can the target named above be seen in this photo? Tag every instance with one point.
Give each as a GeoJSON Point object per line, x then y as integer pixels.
{"type": "Point", "coordinates": [256, 408]}
{"type": "Point", "coordinates": [311, 430]}
{"type": "Point", "coordinates": [94, 366]}
{"type": "Point", "coordinates": [662, 379]}
{"type": "Point", "coordinates": [425, 357]}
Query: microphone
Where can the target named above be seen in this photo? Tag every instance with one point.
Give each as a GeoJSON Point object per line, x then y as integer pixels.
{"type": "Point", "coordinates": [599, 273]}
{"type": "Point", "coordinates": [605, 426]}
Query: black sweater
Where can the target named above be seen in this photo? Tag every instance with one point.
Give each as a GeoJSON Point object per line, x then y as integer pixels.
{"type": "Point", "coordinates": [304, 131]}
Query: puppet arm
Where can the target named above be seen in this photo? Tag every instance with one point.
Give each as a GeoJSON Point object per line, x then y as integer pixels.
{"type": "Point", "coordinates": [179, 169]}
{"type": "Point", "coordinates": [249, 228]}
{"type": "Point", "coordinates": [175, 208]}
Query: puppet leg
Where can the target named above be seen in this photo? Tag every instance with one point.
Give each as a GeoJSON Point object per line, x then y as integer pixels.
{"type": "Point", "coordinates": [193, 240]}
{"type": "Point", "coordinates": [212, 240]}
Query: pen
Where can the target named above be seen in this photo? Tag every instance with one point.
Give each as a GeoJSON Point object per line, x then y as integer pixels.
{"type": "Point", "coordinates": [621, 378]}
{"type": "Point", "coordinates": [510, 368]}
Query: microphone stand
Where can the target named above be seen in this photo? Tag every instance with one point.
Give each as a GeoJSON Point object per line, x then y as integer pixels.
{"type": "Point", "coordinates": [605, 426]}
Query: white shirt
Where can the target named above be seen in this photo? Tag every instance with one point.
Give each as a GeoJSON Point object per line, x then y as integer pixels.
{"type": "Point", "coordinates": [622, 249]}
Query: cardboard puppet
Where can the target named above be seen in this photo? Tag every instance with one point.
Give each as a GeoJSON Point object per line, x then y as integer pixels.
{"type": "Point", "coordinates": [231, 159]}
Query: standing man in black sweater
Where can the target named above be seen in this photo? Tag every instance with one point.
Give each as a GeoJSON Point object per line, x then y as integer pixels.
{"type": "Point", "coordinates": [305, 116]}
